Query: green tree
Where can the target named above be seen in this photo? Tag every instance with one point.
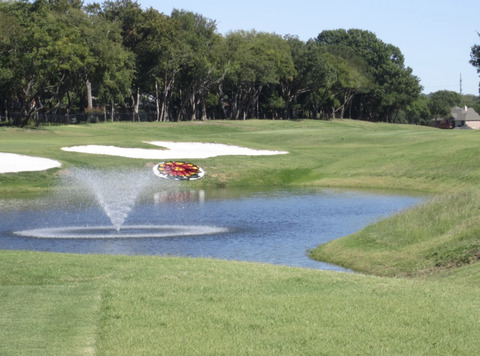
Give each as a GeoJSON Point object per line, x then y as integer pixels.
{"type": "Point", "coordinates": [110, 72]}
{"type": "Point", "coordinates": [203, 68]}
{"type": "Point", "coordinates": [9, 31]}
{"type": "Point", "coordinates": [441, 102]}
{"type": "Point", "coordinates": [394, 87]}
{"type": "Point", "coordinates": [472, 101]}
{"type": "Point", "coordinates": [475, 58]}
{"type": "Point", "coordinates": [257, 60]}
{"type": "Point", "coordinates": [59, 55]}
{"type": "Point", "coordinates": [43, 59]}
{"type": "Point", "coordinates": [159, 60]}
{"type": "Point", "coordinates": [312, 72]}
{"type": "Point", "coordinates": [418, 112]}
{"type": "Point", "coordinates": [129, 16]}
{"type": "Point", "coordinates": [351, 78]}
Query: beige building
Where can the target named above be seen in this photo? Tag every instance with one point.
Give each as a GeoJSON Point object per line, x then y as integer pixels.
{"type": "Point", "coordinates": [461, 118]}
{"type": "Point", "coordinates": [465, 118]}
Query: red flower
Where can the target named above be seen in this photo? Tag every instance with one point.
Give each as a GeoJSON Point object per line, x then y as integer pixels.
{"type": "Point", "coordinates": [178, 170]}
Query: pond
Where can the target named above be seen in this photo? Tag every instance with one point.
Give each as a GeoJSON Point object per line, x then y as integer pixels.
{"type": "Point", "coordinates": [276, 226]}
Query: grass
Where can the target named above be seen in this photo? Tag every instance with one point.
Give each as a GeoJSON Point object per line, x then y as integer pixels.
{"type": "Point", "coordinates": [427, 239]}
{"type": "Point", "coordinates": [49, 320]}
{"type": "Point", "coordinates": [423, 299]}
{"type": "Point", "coordinates": [330, 154]}
{"type": "Point", "coordinates": [115, 305]}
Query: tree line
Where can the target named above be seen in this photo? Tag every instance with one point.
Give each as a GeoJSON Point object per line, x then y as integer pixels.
{"type": "Point", "coordinates": [59, 57]}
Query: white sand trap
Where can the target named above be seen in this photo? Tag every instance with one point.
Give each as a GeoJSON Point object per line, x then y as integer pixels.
{"type": "Point", "coordinates": [175, 150]}
{"type": "Point", "coordinates": [11, 163]}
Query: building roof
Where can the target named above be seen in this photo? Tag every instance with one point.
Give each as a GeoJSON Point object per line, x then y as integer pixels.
{"type": "Point", "coordinates": [464, 114]}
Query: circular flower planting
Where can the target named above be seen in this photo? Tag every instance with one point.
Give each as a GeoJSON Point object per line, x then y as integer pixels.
{"type": "Point", "coordinates": [178, 170]}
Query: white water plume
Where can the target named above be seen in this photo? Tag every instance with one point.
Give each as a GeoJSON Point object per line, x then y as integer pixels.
{"type": "Point", "coordinates": [116, 191]}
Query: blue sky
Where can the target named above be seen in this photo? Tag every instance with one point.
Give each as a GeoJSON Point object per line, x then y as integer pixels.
{"type": "Point", "coordinates": [435, 36]}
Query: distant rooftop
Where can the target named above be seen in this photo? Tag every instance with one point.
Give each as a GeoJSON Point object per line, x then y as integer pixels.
{"type": "Point", "coordinates": [464, 114]}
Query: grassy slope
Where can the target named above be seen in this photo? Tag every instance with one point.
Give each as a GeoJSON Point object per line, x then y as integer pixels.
{"type": "Point", "coordinates": [61, 304]}
{"type": "Point", "coordinates": [426, 240]}
{"type": "Point", "coordinates": [129, 305]}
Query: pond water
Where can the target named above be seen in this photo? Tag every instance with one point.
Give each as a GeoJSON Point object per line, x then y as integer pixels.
{"type": "Point", "coordinates": [277, 227]}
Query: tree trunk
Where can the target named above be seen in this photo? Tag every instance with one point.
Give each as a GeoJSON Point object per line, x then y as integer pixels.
{"type": "Point", "coordinates": [204, 109]}
{"type": "Point", "coordinates": [6, 111]}
{"type": "Point", "coordinates": [88, 86]}
{"type": "Point", "coordinates": [234, 112]}
{"type": "Point", "coordinates": [157, 104]}
{"type": "Point", "coordinates": [252, 102]}
{"type": "Point", "coordinates": [136, 106]}
{"type": "Point", "coordinates": [221, 102]}
{"type": "Point", "coordinates": [163, 108]}
{"type": "Point", "coordinates": [193, 105]}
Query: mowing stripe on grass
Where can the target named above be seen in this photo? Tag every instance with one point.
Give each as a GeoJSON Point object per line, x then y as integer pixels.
{"type": "Point", "coordinates": [48, 319]}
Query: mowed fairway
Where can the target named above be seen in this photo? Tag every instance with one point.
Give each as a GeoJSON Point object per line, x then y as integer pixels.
{"type": "Point", "coordinates": [426, 302]}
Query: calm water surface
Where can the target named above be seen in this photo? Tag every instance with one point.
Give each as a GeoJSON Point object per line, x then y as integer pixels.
{"type": "Point", "coordinates": [277, 227]}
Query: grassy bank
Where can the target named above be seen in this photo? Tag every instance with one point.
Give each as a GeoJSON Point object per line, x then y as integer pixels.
{"type": "Point", "coordinates": [74, 304]}
{"type": "Point", "coordinates": [59, 304]}
{"type": "Point", "coordinates": [429, 239]}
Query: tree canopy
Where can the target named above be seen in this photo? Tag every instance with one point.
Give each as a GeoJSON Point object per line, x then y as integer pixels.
{"type": "Point", "coordinates": [475, 58]}
{"type": "Point", "coordinates": [60, 56]}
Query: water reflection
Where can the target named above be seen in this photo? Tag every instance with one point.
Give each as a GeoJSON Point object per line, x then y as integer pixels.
{"type": "Point", "coordinates": [277, 226]}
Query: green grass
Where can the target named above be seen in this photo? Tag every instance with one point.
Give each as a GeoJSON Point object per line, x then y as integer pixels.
{"type": "Point", "coordinates": [430, 238]}
{"type": "Point", "coordinates": [114, 305]}
{"type": "Point", "coordinates": [330, 154]}
{"type": "Point", "coordinates": [424, 299]}
{"type": "Point", "coordinates": [49, 320]}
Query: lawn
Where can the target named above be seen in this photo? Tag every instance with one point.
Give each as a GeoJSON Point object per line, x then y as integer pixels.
{"type": "Point", "coordinates": [59, 304]}
{"type": "Point", "coordinates": [419, 294]}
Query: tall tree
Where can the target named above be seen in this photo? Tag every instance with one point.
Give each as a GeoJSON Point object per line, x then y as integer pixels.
{"type": "Point", "coordinates": [312, 72]}
{"type": "Point", "coordinates": [394, 84]}
{"type": "Point", "coordinates": [9, 32]}
{"type": "Point", "coordinates": [129, 16]}
{"type": "Point", "coordinates": [475, 58]}
{"type": "Point", "coordinates": [257, 60]}
{"type": "Point", "coordinates": [441, 102]}
{"type": "Point", "coordinates": [203, 69]}
{"type": "Point", "coordinates": [351, 78]}
{"type": "Point", "coordinates": [111, 70]}
{"type": "Point", "coordinates": [418, 112]}
{"type": "Point", "coordinates": [158, 60]}
{"type": "Point", "coordinates": [44, 57]}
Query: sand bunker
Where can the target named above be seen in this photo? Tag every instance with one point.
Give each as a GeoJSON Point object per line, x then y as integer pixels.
{"type": "Point", "coordinates": [174, 150]}
{"type": "Point", "coordinates": [11, 162]}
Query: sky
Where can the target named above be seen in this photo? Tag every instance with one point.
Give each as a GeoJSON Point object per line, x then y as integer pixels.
{"type": "Point", "coordinates": [435, 36]}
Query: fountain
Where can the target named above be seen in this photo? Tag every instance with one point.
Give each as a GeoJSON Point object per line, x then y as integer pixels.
{"type": "Point", "coordinates": [116, 192]}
